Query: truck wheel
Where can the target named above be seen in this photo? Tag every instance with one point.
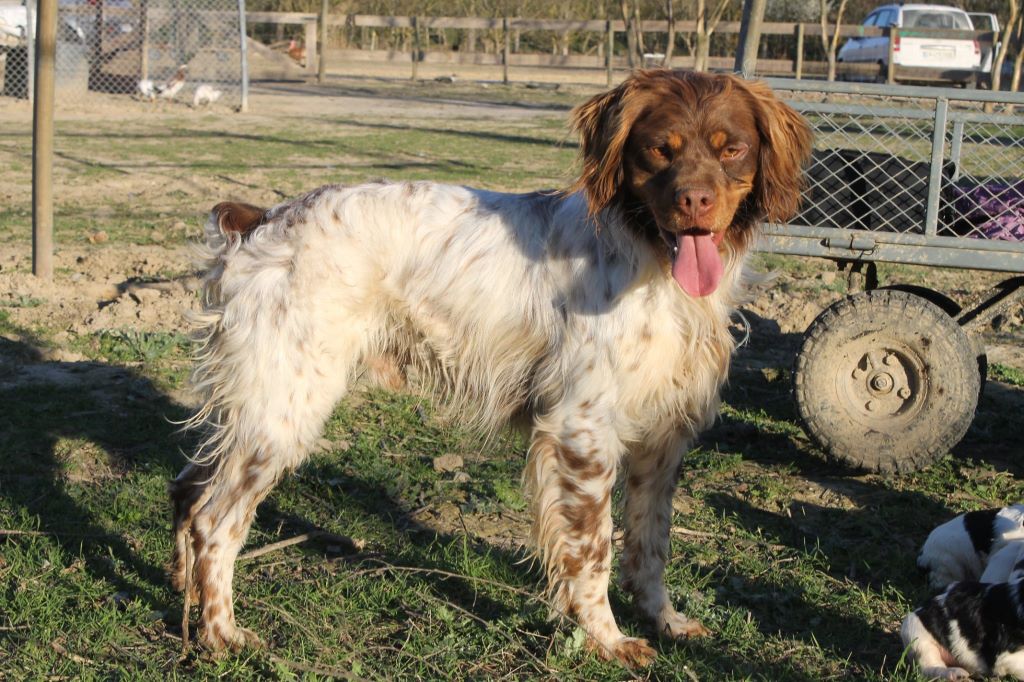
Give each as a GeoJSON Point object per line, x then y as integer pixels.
{"type": "Point", "coordinates": [886, 381]}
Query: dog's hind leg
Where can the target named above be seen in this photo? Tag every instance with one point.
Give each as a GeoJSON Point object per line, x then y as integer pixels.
{"type": "Point", "coordinates": [270, 386]}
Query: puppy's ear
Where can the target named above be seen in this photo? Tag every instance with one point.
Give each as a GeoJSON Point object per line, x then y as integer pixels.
{"type": "Point", "coordinates": [786, 143]}
{"type": "Point", "coordinates": [603, 124]}
{"type": "Point", "coordinates": [235, 216]}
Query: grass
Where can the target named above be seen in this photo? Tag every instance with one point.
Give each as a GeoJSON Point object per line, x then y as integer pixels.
{"type": "Point", "coordinates": [801, 569]}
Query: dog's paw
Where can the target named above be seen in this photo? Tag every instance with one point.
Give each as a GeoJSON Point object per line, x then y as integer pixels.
{"type": "Point", "coordinates": [677, 626]}
{"type": "Point", "coordinates": [943, 673]}
{"type": "Point", "coordinates": [632, 652]}
{"type": "Point", "coordinates": [220, 637]}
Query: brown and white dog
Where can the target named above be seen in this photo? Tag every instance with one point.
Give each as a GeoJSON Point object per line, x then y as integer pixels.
{"type": "Point", "coordinates": [602, 312]}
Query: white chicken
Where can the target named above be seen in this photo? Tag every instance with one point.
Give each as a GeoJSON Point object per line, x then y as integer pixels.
{"type": "Point", "coordinates": [205, 94]}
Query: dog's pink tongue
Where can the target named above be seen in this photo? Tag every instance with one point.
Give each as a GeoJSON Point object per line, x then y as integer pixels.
{"type": "Point", "coordinates": [698, 267]}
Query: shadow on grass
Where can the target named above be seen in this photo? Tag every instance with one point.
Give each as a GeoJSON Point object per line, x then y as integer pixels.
{"type": "Point", "coordinates": [56, 490]}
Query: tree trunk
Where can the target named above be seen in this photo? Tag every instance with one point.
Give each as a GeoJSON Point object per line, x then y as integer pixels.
{"type": "Point", "coordinates": [638, 28]}
{"type": "Point", "coordinates": [700, 50]}
{"type": "Point", "coordinates": [830, 42]}
{"type": "Point", "coordinates": [1017, 63]}
{"type": "Point", "coordinates": [1008, 35]}
{"type": "Point", "coordinates": [627, 16]}
{"type": "Point", "coordinates": [670, 42]}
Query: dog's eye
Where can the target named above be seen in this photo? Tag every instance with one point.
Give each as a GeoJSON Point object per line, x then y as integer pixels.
{"type": "Point", "coordinates": [733, 152]}
{"type": "Point", "coordinates": [661, 151]}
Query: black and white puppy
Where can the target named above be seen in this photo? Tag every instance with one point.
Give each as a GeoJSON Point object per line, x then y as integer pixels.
{"type": "Point", "coordinates": [972, 627]}
{"type": "Point", "coordinates": [962, 548]}
{"type": "Point", "coordinates": [976, 625]}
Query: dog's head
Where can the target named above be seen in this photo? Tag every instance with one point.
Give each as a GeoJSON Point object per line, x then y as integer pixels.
{"type": "Point", "coordinates": [694, 159]}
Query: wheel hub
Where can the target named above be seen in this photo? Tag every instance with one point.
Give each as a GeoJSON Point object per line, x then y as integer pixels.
{"type": "Point", "coordinates": [885, 384]}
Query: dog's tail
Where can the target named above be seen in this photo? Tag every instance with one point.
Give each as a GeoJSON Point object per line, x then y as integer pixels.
{"type": "Point", "coordinates": [233, 218]}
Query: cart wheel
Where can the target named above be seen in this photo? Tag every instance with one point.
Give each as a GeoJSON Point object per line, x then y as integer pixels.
{"type": "Point", "coordinates": [886, 381]}
{"type": "Point", "coordinates": [953, 309]}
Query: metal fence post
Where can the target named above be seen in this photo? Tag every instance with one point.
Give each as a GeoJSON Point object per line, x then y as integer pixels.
{"type": "Point", "coordinates": [505, 51]}
{"type": "Point", "coordinates": [609, 50]}
{"type": "Point", "coordinates": [42, 140]}
{"type": "Point", "coordinates": [143, 40]}
{"type": "Point", "coordinates": [244, 59]}
{"type": "Point", "coordinates": [931, 220]}
{"type": "Point", "coordinates": [30, 47]}
{"type": "Point", "coordinates": [799, 66]}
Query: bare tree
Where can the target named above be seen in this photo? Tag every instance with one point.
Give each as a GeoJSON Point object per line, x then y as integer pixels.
{"type": "Point", "coordinates": [1009, 32]}
{"type": "Point", "coordinates": [706, 25]}
{"type": "Point", "coordinates": [634, 33]}
{"type": "Point", "coordinates": [830, 42]}
{"type": "Point", "coordinates": [670, 44]}
{"type": "Point", "coordinates": [1019, 59]}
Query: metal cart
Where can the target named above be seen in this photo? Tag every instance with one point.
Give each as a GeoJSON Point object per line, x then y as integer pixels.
{"type": "Point", "coordinates": [888, 379]}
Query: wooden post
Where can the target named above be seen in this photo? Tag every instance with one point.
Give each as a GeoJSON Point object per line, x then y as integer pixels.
{"type": "Point", "coordinates": [799, 66]}
{"type": "Point", "coordinates": [890, 71]}
{"type": "Point", "coordinates": [321, 66]}
{"type": "Point", "coordinates": [506, 50]}
{"type": "Point", "coordinates": [415, 47]}
{"type": "Point", "coordinates": [30, 48]}
{"type": "Point", "coordinates": [42, 140]}
{"type": "Point", "coordinates": [609, 50]}
{"type": "Point", "coordinates": [311, 51]}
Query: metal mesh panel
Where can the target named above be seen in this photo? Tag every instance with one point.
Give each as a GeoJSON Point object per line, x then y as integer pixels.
{"type": "Point", "coordinates": [162, 50]}
{"type": "Point", "coordinates": [986, 197]}
{"type": "Point", "coordinates": [873, 167]}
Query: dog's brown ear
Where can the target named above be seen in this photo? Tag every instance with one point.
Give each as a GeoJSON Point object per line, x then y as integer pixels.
{"type": "Point", "coordinates": [603, 124]}
{"type": "Point", "coordinates": [786, 143]}
{"type": "Point", "coordinates": [238, 217]}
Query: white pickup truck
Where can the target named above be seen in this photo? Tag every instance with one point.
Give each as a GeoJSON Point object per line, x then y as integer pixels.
{"type": "Point", "coordinates": [948, 58]}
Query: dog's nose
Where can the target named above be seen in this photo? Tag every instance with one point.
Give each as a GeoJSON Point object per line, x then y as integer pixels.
{"type": "Point", "coordinates": [695, 201]}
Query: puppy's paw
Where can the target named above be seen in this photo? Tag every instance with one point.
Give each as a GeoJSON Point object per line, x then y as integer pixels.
{"type": "Point", "coordinates": [944, 673]}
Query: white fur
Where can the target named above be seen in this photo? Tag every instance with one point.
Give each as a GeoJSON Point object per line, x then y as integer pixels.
{"type": "Point", "coordinates": [949, 556]}
{"type": "Point", "coordinates": [935, 661]}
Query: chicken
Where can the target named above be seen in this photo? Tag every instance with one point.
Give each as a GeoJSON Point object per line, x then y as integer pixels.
{"type": "Point", "coordinates": [151, 90]}
{"type": "Point", "coordinates": [297, 52]}
{"type": "Point", "coordinates": [205, 94]}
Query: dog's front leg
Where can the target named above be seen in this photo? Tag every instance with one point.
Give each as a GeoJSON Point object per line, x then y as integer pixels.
{"type": "Point", "coordinates": [573, 461]}
{"type": "Point", "coordinates": [650, 483]}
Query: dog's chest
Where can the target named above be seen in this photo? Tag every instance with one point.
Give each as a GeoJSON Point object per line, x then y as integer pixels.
{"type": "Point", "coordinates": [672, 359]}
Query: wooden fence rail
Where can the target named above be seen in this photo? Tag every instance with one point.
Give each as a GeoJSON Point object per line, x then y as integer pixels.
{"type": "Point", "coordinates": [797, 66]}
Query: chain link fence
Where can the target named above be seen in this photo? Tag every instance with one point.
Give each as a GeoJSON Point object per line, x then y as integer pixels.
{"type": "Point", "coordinates": [161, 50]}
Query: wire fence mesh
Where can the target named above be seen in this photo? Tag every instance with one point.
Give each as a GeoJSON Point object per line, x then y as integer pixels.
{"type": "Point", "coordinates": [161, 50]}
{"type": "Point", "coordinates": [879, 165]}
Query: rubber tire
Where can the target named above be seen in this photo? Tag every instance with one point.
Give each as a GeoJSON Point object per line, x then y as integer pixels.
{"type": "Point", "coordinates": [953, 309]}
{"type": "Point", "coordinates": [933, 355]}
